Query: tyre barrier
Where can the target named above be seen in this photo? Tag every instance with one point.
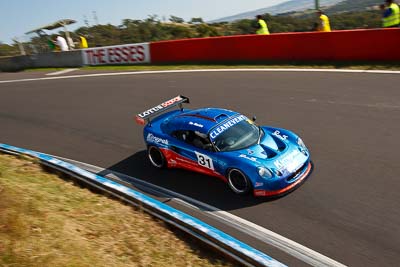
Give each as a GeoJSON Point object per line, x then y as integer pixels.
{"type": "Point", "coordinates": [224, 243]}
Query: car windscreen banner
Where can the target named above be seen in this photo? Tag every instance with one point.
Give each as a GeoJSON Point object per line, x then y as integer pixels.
{"type": "Point", "coordinates": [117, 55]}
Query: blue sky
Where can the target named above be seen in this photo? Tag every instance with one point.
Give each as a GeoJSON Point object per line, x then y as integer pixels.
{"type": "Point", "coordinates": [20, 16]}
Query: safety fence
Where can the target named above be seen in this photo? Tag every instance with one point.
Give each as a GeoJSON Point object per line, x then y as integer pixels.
{"type": "Point", "coordinates": [231, 247]}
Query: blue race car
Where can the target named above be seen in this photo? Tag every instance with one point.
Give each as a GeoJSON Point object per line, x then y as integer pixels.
{"type": "Point", "coordinates": [263, 160]}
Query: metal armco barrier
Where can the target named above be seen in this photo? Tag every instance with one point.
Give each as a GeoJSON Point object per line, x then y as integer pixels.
{"type": "Point", "coordinates": [217, 239]}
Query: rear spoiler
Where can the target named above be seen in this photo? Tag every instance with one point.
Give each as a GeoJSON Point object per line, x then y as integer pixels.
{"type": "Point", "coordinates": [141, 118]}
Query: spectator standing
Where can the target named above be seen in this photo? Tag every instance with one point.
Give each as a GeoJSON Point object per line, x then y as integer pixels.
{"type": "Point", "coordinates": [71, 43]}
{"type": "Point", "coordinates": [262, 27]}
{"type": "Point", "coordinates": [391, 15]}
{"type": "Point", "coordinates": [323, 24]}
{"type": "Point", "coordinates": [62, 43]}
{"type": "Point", "coordinates": [83, 42]}
{"type": "Point", "coordinates": [51, 44]}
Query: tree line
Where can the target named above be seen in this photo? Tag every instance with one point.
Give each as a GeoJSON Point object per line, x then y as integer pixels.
{"type": "Point", "coordinates": [154, 29]}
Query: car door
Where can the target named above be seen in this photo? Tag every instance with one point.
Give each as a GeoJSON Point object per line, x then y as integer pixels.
{"type": "Point", "coordinates": [195, 157]}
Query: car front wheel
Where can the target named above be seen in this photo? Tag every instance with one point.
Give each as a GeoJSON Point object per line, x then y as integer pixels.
{"type": "Point", "coordinates": [238, 182]}
{"type": "Point", "coordinates": [156, 157]}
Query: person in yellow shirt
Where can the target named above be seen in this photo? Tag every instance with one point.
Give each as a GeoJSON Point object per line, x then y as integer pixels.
{"type": "Point", "coordinates": [83, 42]}
{"type": "Point", "coordinates": [324, 24]}
{"type": "Point", "coordinates": [262, 27]}
{"type": "Point", "coordinates": [391, 14]}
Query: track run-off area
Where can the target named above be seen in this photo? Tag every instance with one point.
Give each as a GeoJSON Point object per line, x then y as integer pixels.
{"type": "Point", "coordinates": [348, 210]}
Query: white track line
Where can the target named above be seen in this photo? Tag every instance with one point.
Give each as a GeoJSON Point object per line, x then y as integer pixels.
{"type": "Point", "coordinates": [201, 70]}
{"type": "Point", "coordinates": [61, 72]}
{"type": "Point", "coordinates": [291, 247]}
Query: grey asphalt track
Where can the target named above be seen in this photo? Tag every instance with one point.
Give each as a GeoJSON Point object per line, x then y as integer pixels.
{"type": "Point", "coordinates": [348, 210]}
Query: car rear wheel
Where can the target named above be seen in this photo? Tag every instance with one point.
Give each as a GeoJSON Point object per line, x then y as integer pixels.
{"type": "Point", "coordinates": [238, 182]}
{"type": "Point", "coordinates": [156, 157]}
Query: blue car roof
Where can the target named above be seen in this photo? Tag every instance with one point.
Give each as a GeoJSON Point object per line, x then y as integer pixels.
{"type": "Point", "coordinates": [201, 120]}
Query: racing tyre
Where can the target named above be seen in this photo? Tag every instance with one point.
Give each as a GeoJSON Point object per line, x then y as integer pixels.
{"type": "Point", "coordinates": [156, 157]}
{"type": "Point", "coordinates": [238, 182]}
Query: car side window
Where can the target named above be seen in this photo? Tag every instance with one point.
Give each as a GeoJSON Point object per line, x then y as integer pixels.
{"type": "Point", "coordinates": [194, 138]}
{"type": "Point", "coordinates": [180, 135]}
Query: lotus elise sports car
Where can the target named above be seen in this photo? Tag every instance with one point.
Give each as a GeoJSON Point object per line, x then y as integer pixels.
{"type": "Point", "coordinates": [263, 160]}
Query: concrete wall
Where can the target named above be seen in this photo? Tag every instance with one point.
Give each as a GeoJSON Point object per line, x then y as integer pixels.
{"type": "Point", "coordinates": [11, 64]}
{"type": "Point", "coordinates": [354, 45]}
{"type": "Point", "coordinates": [52, 59]}
{"type": "Point", "coordinates": [58, 59]}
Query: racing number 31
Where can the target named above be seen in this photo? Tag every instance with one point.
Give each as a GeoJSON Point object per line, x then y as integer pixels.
{"type": "Point", "coordinates": [204, 160]}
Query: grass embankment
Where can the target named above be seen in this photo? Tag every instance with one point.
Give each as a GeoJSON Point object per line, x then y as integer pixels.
{"type": "Point", "coordinates": [46, 221]}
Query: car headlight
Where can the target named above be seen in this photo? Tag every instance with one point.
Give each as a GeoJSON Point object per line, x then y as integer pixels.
{"type": "Point", "coordinates": [264, 173]}
{"type": "Point", "coordinates": [301, 143]}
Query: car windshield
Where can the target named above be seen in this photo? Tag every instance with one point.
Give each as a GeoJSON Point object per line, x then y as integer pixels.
{"type": "Point", "coordinates": [239, 136]}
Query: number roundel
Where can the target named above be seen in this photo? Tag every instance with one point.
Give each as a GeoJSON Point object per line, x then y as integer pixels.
{"type": "Point", "coordinates": [204, 161]}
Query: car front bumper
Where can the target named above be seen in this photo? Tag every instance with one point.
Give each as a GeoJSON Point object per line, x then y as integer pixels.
{"type": "Point", "coordinates": [301, 177]}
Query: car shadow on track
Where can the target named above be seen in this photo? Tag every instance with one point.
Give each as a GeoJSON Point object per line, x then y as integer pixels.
{"type": "Point", "coordinates": [207, 189]}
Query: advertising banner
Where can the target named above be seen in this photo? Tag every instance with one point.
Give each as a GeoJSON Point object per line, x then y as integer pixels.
{"type": "Point", "coordinates": [117, 55]}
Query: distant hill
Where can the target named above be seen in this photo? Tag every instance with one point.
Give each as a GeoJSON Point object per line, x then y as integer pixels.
{"type": "Point", "coordinates": [353, 5]}
{"type": "Point", "coordinates": [341, 7]}
{"type": "Point", "coordinates": [289, 6]}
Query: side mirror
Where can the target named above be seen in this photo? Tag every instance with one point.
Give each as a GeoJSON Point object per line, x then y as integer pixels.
{"type": "Point", "coordinates": [254, 118]}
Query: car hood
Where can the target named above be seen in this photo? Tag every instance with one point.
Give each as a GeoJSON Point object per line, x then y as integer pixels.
{"type": "Point", "coordinates": [273, 152]}
{"type": "Point", "coordinates": [269, 147]}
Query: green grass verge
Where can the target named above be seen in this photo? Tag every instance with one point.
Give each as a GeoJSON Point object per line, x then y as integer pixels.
{"type": "Point", "coordinates": [46, 221]}
{"type": "Point", "coordinates": [274, 65]}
